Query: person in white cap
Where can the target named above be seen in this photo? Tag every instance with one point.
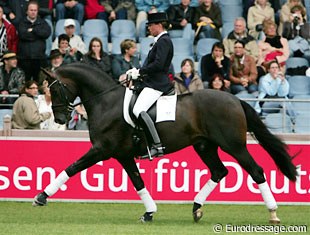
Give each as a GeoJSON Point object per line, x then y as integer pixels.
{"type": "Point", "coordinates": [76, 41]}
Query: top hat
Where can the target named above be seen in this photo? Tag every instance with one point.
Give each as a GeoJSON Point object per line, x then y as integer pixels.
{"type": "Point", "coordinates": [8, 55]}
{"type": "Point", "coordinates": [69, 22]}
{"type": "Point", "coordinates": [54, 54]}
{"type": "Point", "coordinates": [157, 17]}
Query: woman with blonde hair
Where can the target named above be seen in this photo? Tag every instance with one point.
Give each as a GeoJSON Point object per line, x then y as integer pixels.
{"type": "Point", "coordinates": [188, 80]}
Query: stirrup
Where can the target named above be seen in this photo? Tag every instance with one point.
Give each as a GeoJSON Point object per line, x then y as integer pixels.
{"type": "Point", "coordinates": [157, 150]}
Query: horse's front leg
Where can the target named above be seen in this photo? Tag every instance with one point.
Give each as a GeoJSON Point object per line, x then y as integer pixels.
{"type": "Point", "coordinates": [93, 156]}
{"type": "Point", "coordinates": [132, 170]}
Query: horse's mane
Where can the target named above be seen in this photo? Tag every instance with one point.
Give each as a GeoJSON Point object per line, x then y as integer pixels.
{"type": "Point", "coordinates": [86, 74]}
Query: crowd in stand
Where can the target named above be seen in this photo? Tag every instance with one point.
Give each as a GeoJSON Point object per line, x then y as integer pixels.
{"type": "Point", "coordinates": [245, 60]}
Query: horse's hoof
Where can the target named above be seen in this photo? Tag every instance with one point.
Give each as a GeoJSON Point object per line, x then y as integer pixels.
{"type": "Point", "coordinates": [197, 215]}
{"type": "Point", "coordinates": [40, 200]}
{"type": "Point", "coordinates": [147, 217]}
{"type": "Point", "coordinates": [273, 217]}
{"type": "Point", "coordinates": [275, 221]}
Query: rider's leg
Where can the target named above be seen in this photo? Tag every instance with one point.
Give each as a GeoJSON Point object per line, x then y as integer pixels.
{"type": "Point", "coordinates": [146, 99]}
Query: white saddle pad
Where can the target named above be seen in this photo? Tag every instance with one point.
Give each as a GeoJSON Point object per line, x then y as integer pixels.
{"type": "Point", "coordinates": [165, 108]}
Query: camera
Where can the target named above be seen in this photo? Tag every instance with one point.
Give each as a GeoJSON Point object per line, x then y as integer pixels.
{"type": "Point", "coordinates": [296, 19]}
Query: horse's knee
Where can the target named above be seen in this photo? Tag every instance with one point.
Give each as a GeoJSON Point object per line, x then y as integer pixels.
{"type": "Point", "coordinates": [218, 174]}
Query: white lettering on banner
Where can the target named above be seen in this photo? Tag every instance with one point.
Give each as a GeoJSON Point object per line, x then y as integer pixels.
{"type": "Point", "coordinates": [160, 171]}
{"type": "Point", "coordinates": [19, 176]}
{"type": "Point", "coordinates": [40, 173]}
{"type": "Point", "coordinates": [298, 182]}
{"type": "Point", "coordinates": [5, 180]}
{"type": "Point", "coordinates": [239, 179]}
{"type": "Point", "coordinates": [123, 186]}
{"type": "Point", "coordinates": [273, 184]}
{"type": "Point", "coordinates": [100, 178]}
{"type": "Point", "coordinates": [185, 186]}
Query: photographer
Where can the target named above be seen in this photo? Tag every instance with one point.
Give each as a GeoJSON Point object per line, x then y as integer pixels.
{"type": "Point", "coordinates": [297, 32]}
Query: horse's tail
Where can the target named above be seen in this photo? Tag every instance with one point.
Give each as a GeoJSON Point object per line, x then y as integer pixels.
{"type": "Point", "coordinates": [271, 143]}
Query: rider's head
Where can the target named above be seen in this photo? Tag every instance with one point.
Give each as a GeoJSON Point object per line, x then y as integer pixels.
{"type": "Point", "coordinates": [157, 23]}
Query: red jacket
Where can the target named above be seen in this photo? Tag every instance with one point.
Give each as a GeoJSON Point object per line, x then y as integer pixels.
{"type": "Point", "coordinates": [92, 8]}
{"type": "Point", "coordinates": [11, 34]}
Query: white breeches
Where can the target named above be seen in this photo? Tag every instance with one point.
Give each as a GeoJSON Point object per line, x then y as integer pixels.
{"type": "Point", "coordinates": [146, 99]}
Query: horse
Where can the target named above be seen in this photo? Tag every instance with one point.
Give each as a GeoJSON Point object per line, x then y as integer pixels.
{"type": "Point", "coordinates": [205, 119]}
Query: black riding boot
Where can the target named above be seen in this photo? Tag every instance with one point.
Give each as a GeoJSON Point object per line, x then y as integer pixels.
{"type": "Point", "coordinates": [147, 123]}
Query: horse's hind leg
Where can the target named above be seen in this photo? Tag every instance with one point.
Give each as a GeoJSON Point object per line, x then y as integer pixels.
{"type": "Point", "coordinates": [93, 156]}
{"type": "Point", "coordinates": [245, 160]}
{"type": "Point", "coordinates": [132, 170]}
{"type": "Point", "coordinates": [209, 155]}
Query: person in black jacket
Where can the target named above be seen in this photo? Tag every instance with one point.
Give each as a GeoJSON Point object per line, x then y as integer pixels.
{"type": "Point", "coordinates": [154, 76]}
{"type": "Point", "coordinates": [32, 32]}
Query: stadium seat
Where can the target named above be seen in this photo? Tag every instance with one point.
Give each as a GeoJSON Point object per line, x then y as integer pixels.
{"type": "Point", "coordinates": [301, 106]}
{"type": "Point", "coordinates": [96, 28]}
{"type": "Point", "coordinates": [278, 123]}
{"type": "Point", "coordinates": [294, 62]}
{"type": "Point", "coordinates": [204, 46]}
{"type": "Point", "coordinates": [230, 2]}
{"type": "Point", "coordinates": [177, 60]}
{"type": "Point", "coordinates": [299, 85]}
{"type": "Point", "coordinates": [302, 124]}
{"type": "Point", "coordinates": [3, 113]}
{"type": "Point", "coordinates": [244, 95]}
{"type": "Point", "coordinates": [59, 28]}
{"type": "Point", "coordinates": [183, 46]}
{"type": "Point", "coordinates": [125, 29]}
{"type": "Point", "coordinates": [49, 40]}
{"type": "Point", "coordinates": [231, 12]}
{"type": "Point", "coordinates": [227, 28]}
{"type": "Point", "coordinates": [145, 45]}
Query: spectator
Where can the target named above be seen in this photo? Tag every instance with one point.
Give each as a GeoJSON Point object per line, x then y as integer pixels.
{"type": "Point", "coordinates": [273, 85]}
{"type": "Point", "coordinates": [181, 17]}
{"type": "Point", "coordinates": [32, 32]}
{"type": "Point", "coordinates": [25, 111]}
{"type": "Point", "coordinates": [215, 62]}
{"type": "Point", "coordinates": [119, 9]}
{"type": "Point", "coordinates": [97, 57]}
{"type": "Point", "coordinates": [285, 13]}
{"type": "Point", "coordinates": [14, 10]}
{"type": "Point", "coordinates": [69, 54]}
{"type": "Point", "coordinates": [273, 47]}
{"type": "Point", "coordinates": [127, 60]}
{"type": "Point", "coordinates": [76, 41]}
{"type": "Point", "coordinates": [217, 83]}
{"type": "Point", "coordinates": [297, 32]}
{"type": "Point", "coordinates": [261, 11]}
{"type": "Point", "coordinates": [188, 80]}
{"type": "Point", "coordinates": [44, 104]}
{"type": "Point", "coordinates": [12, 79]}
{"type": "Point", "coordinates": [56, 60]}
{"type": "Point", "coordinates": [209, 15]}
{"type": "Point", "coordinates": [8, 35]}
{"type": "Point", "coordinates": [70, 9]}
{"type": "Point", "coordinates": [93, 10]}
{"type": "Point", "coordinates": [79, 117]}
{"type": "Point", "coordinates": [240, 33]}
{"type": "Point", "coordinates": [46, 9]}
{"type": "Point", "coordinates": [145, 7]}
{"type": "Point", "coordinates": [243, 72]}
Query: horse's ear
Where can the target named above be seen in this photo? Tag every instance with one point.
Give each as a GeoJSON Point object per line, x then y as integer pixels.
{"type": "Point", "coordinates": [50, 75]}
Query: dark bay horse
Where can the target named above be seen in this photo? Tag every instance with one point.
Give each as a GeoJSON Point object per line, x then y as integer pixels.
{"type": "Point", "coordinates": [205, 119]}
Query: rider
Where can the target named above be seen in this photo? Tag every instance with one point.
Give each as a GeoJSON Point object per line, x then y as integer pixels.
{"type": "Point", "coordinates": [154, 76]}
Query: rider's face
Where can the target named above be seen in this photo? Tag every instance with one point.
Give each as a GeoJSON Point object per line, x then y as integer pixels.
{"type": "Point", "coordinates": [155, 29]}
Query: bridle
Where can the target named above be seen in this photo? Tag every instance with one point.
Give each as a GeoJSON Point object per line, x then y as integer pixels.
{"type": "Point", "coordinates": [65, 100]}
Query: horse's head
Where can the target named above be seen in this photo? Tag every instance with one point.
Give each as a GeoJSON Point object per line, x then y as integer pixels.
{"type": "Point", "coordinates": [63, 95]}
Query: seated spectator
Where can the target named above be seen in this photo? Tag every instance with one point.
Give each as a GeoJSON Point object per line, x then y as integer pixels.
{"type": "Point", "coordinates": [145, 7]}
{"type": "Point", "coordinates": [93, 10]}
{"type": "Point", "coordinates": [297, 32]}
{"type": "Point", "coordinates": [285, 13]}
{"type": "Point", "coordinates": [243, 72]}
{"type": "Point", "coordinates": [70, 9]}
{"type": "Point", "coordinates": [76, 42]}
{"type": "Point", "coordinates": [12, 79]}
{"type": "Point", "coordinates": [273, 85]}
{"type": "Point", "coordinates": [127, 60]}
{"type": "Point", "coordinates": [25, 111]}
{"type": "Point", "coordinates": [46, 9]}
{"type": "Point", "coordinates": [273, 46]}
{"type": "Point", "coordinates": [44, 104]}
{"type": "Point", "coordinates": [8, 35]}
{"type": "Point", "coordinates": [69, 55]}
{"type": "Point", "coordinates": [217, 83]}
{"type": "Point", "coordinates": [208, 20]}
{"type": "Point", "coordinates": [97, 57]}
{"type": "Point", "coordinates": [56, 60]}
{"type": "Point", "coordinates": [181, 17]}
{"type": "Point", "coordinates": [261, 11]}
{"type": "Point", "coordinates": [240, 33]}
{"type": "Point", "coordinates": [79, 117]}
{"type": "Point", "coordinates": [215, 63]}
{"type": "Point", "coordinates": [188, 80]}
{"type": "Point", "coordinates": [120, 9]}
